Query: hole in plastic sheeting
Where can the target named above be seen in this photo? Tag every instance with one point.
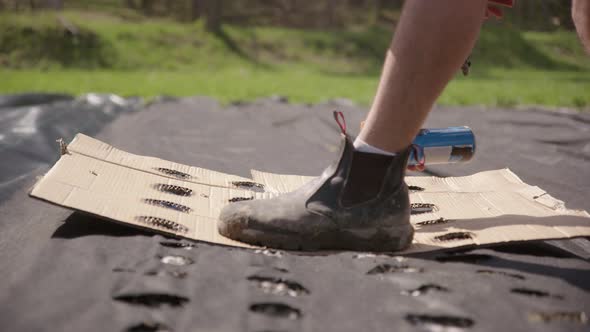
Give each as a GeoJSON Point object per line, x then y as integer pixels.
{"type": "Point", "coordinates": [176, 260]}
{"type": "Point", "coordinates": [368, 255]}
{"type": "Point", "coordinates": [149, 327]}
{"type": "Point", "coordinates": [364, 255]}
{"type": "Point", "coordinates": [178, 245]}
{"type": "Point", "coordinates": [240, 199]}
{"type": "Point", "coordinates": [425, 289]}
{"type": "Point", "coordinates": [419, 208]}
{"type": "Point", "coordinates": [578, 317]}
{"type": "Point", "coordinates": [535, 293]}
{"type": "Point", "coordinates": [275, 309]}
{"type": "Point", "coordinates": [174, 173]}
{"type": "Point", "coordinates": [454, 236]}
{"type": "Point", "coordinates": [278, 286]}
{"type": "Point", "coordinates": [152, 300]}
{"type": "Point", "coordinates": [387, 268]}
{"type": "Point", "coordinates": [174, 190]}
{"type": "Point", "coordinates": [269, 252]}
{"type": "Point", "coordinates": [464, 258]}
{"type": "Point", "coordinates": [438, 221]}
{"type": "Point", "coordinates": [415, 188]}
{"type": "Point", "coordinates": [443, 323]}
{"type": "Point", "coordinates": [502, 273]}
{"type": "Point", "coordinates": [249, 185]}
{"type": "Point", "coordinates": [162, 223]}
{"type": "Point", "coordinates": [167, 204]}
{"type": "Point", "coordinates": [174, 274]}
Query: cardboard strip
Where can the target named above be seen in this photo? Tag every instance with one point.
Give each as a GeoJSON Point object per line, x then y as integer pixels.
{"type": "Point", "coordinates": [88, 146]}
{"type": "Point", "coordinates": [483, 209]}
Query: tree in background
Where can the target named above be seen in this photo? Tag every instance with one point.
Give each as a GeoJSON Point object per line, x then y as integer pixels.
{"type": "Point", "coordinates": [213, 12]}
{"type": "Point", "coordinates": [527, 14]}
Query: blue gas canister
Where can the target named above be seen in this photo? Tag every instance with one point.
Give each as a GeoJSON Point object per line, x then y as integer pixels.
{"type": "Point", "coordinates": [443, 146]}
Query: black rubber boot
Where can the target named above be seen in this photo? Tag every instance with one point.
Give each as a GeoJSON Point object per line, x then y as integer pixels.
{"type": "Point", "coordinates": [359, 203]}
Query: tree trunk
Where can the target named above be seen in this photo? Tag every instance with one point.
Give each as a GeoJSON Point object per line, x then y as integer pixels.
{"type": "Point", "coordinates": [54, 4]}
{"type": "Point", "coordinates": [330, 13]}
{"type": "Point", "coordinates": [147, 6]}
{"type": "Point", "coordinates": [196, 9]}
{"type": "Point", "coordinates": [213, 9]}
{"type": "Point", "coordinates": [131, 4]}
{"type": "Point", "coordinates": [377, 7]}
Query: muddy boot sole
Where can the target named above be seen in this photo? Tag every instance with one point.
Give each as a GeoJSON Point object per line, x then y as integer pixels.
{"type": "Point", "coordinates": [381, 239]}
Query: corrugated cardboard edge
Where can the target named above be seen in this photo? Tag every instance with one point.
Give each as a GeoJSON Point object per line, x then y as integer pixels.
{"type": "Point", "coordinates": [96, 149]}
{"type": "Point", "coordinates": [279, 183]}
{"type": "Point", "coordinates": [478, 186]}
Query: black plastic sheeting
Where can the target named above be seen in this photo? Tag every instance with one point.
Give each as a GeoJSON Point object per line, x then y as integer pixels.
{"type": "Point", "coordinates": [64, 271]}
{"type": "Point", "coordinates": [31, 123]}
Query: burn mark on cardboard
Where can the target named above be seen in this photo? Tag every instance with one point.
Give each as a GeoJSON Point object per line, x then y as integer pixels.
{"type": "Point", "coordinates": [454, 236]}
{"type": "Point", "coordinates": [178, 245]}
{"type": "Point", "coordinates": [276, 309]}
{"type": "Point", "coordinates": [176, 260]}
{"type": "Point", "coordinates": [63, 147]}
{"type": "Point", "coordinates": [534, 293]}
{"type": "Point", "coordinates": [431, 222]}
{"type": "Point", "coordinates": [149, 327]}
{"type": "Point", "coordinates": [425, 289]}
{"type": "Point", "coordinates": [419, 208]}
{"type": "Point", "coordinates": [174, 190]}
{"type": "Point", "coordinates": [578, 317]}
{"type": "Point", "coordinates": [162, 223]}
{"type": "Point", "coordinates": [248, 185]}
{"type": "Point", "coordinates": [502, 273]}
{"type": "Point", "coordinates": [439, 322]}
{"type": "Point", "coordinates": [415, 188]}
{"type": "Point", "coordinates": [152, 300]}
{"type": "Point", "coordinates": [240, 199]}
{"type": "Point", "coordinates": [278, 286]}
{"type": "Point", "coordinates": [174, 173]}
{"type": "Point", "coordinates": [464, 258]}
{"type": "Point", "coordinates": [167, 204]}
{"type": "Point", "coordinates": [388, 268]}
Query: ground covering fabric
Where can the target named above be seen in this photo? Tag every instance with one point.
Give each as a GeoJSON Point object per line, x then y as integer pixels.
{"type": "Point", "coordinates": [66, 271]}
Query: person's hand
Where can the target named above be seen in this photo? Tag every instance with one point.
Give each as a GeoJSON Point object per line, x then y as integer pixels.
{"type": "Point", "coordinates": [494, 8]}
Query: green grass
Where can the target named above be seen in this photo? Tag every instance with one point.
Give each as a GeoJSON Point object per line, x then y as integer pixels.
{"type": "Point", "coordinates": [137, 56]}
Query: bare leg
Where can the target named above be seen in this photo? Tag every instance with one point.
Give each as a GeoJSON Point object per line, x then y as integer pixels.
{"type": "Point", "coordinates": [431, 42]}
{"type": "Point", "coordinates": [581, 17]}
{"type": "Point", "coordinates": [362, 201]}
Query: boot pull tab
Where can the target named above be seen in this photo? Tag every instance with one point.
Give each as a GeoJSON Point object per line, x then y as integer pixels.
{"type": "Point", "coordinates": [339, 117]}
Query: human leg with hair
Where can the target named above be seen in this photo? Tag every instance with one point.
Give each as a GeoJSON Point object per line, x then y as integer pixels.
{"type": "Point", "coordinates": [361, 202]}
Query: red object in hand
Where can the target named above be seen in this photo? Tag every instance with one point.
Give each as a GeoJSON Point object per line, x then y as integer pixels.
{"type": "Point", "coordinates": [493, 9]}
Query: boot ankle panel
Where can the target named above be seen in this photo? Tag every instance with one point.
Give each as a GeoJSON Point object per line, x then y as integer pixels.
{"type": "Point", "coordinates": [366, 178]}
{"type": "Point", "coordinates": [326, 193]}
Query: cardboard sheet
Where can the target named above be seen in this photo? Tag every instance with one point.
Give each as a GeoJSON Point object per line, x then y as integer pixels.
{"type": "Point", "coordinates": [483, 209]}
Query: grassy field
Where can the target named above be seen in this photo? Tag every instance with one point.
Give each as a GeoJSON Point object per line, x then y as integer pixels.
{"type": "Point", "coordinates": [137, 56]}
